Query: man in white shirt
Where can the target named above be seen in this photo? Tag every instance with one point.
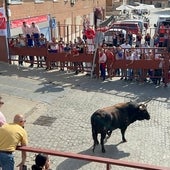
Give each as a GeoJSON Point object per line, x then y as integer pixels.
{"type": "Point", "coordinates": [126, 45]}
{"type": "Point", "coordinates": [35, 31]}
{"type": "Point", "coordinates": [102, 61]}
{"type": "Point", "coordinates": [25, 29]}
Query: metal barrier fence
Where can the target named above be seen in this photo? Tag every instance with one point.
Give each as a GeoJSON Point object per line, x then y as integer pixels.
{"type": "Point", "coordinates": [106, 161]}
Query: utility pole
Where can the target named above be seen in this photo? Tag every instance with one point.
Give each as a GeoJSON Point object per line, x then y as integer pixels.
{"type": "Point", "coordinates": [7, 18]}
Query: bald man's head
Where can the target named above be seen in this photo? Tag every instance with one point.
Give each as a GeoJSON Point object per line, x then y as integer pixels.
{"type": "Point", "coordinates": [19, 119]}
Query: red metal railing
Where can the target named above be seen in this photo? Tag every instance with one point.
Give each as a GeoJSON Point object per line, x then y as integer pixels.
{"type": "Point", "coordinates": [106, 161]}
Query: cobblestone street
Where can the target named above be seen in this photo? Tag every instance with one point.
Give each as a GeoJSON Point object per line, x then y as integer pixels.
{"type": "Point", "coordinates": [58, 106]}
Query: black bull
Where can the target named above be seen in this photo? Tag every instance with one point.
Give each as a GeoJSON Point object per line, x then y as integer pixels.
{"type": "Point", "coordinates": [121, 115]}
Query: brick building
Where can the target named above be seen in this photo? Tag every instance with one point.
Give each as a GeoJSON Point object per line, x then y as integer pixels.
{"type": "Point", "coordinates": [58, 18]}
{"type": "Point", "coordinates": [54, 17]}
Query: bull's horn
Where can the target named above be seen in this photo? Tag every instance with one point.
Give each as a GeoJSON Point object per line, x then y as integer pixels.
{"type": "Point", "coordinates": [142, 106]}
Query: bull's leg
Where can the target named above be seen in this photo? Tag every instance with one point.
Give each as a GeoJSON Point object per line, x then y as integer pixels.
{"type": "Point", "coordinates": [103, 135]}
{"type": "Point", "coordinates": [123, 134]}
{"type": "Point", "coordinates": [96, 142]}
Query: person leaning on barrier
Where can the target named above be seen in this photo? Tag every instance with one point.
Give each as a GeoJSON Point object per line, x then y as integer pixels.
{"type": "Point", "coordinates": [2, 117]}
{"type": "Point", "coordinates": [29, 43]}
{"type": "Point", "coordinates": [102, 62]}
{"type": "Point", "coordinates": [75, 53]}
{"type": "Point", "coordinates": [42, 43]}
{"type": "Point", "coordinates": [25, 29]}
{"type": "Point", "coordinates": [35, 32]}
{"type": "Point", "coordinates": [12, 135]}
{"type": "Point", "coordinates": [53, 48]}
{"type": "Point", "coordinates": [21, 42]}
{"type": "Point", "coordinates": [80, 47]}
{"type": "Point", "coordinates": [42, 162]}
{"type": "Point", "coordinates": [110, 62]}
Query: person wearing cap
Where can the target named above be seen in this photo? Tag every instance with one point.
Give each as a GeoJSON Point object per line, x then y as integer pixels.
{"type": "Point", "coordinates": [12, 135]}
{"type": "Point", "coordinates": [41, 162]}
{"type": "Point", "coordinates": [2, 117]}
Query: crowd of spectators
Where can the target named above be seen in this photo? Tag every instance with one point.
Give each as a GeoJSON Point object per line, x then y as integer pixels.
{"type": "Point", "coordinates": [53, 46]}
{"type": "Point", "coordinates": [141, 46]}
{"type": "Point", "coordinates": [124, 46]}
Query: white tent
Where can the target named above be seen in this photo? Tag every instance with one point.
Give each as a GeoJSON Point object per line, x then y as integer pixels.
{"type": "Point", "coordinates": [147, 6]}
{"type": "Point", "coordinates": [144, 6]}
{"type": "Point", "coordinates": [125, 7]}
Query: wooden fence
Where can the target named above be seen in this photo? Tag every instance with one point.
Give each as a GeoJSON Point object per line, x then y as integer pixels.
{"type": "Point", "coordinates": [143, 63]}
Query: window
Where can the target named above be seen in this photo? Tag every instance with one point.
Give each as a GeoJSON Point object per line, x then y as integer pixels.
{"type": "Point", "coordinates": [39, 1]}
{"type": "Point", "coordinates": [14, 1]}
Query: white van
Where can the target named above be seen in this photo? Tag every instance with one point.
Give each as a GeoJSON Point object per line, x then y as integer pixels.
{"type": "Point", "coordinates": [165, 19]}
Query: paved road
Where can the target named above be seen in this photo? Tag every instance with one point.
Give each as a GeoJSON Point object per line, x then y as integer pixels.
{"type": "Point", "coordinates": [65, 102]}
{"type": "Point", "coordinates": [68, 100]}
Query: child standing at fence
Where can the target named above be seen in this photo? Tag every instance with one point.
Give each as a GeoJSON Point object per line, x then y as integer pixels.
{"type": "Point", "coordinates": [102, 62]}
{"type": "Point", "coordinates": [42, 162]}
{"type": "Point", "coordinates": [21, 42]}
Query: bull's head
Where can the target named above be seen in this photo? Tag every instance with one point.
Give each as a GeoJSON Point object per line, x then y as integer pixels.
{"type": "Point", "coordinates": [143, 113]}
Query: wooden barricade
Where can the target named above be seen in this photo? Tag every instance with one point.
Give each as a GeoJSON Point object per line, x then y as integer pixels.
{"type": "Point", "coordinates": [27, 51]}
{"type": "Point", "coordinates": [67, 57]}
{"type": "Point", "coordinates": [143, 64]}
{"type": "Point", "coordinates": [61, 57]}
{"type": "Point", "coordinates": [64, 58]}
{"type": "Point", "coordinates": [166, 68]}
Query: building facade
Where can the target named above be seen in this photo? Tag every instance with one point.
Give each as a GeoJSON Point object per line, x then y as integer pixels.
{"type": "Point", "coordinates": [54, 17]}
{"type": "Point", "coordinates": [157, 3]}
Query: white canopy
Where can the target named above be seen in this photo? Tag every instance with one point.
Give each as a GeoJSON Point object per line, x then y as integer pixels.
{"type": "Point", "coordinates": [125, 7]}
{"type": "Point", "coordinates": [144, 6]}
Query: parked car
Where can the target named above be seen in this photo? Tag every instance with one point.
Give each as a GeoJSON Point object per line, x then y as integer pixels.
{"type": "Point", "coordinates": [133, 27]}
{"type": "Point", "coordinates": [140, 23]}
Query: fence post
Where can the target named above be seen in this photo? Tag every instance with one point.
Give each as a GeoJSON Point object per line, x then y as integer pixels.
{"type": "Point", "coordinates": [108, 166]}
{"type": "Point", "coordinates": [166, 69]}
